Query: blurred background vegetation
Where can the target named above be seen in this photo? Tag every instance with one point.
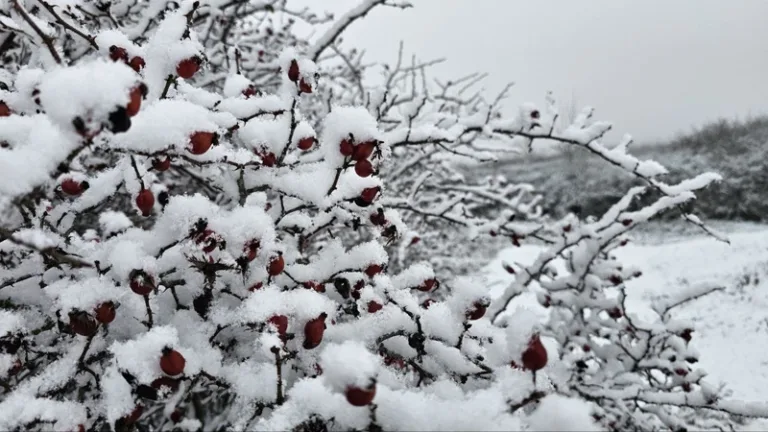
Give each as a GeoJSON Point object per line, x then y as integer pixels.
{"type": "Point", "coordinates": [575, 180]}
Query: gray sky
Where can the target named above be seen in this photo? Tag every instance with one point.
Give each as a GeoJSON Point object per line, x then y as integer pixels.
{"type": "Point", "coordinates": [652, 67]}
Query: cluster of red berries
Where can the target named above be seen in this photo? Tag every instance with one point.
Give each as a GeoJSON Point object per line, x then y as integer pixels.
{"type": "Point", "coordinates": [314, 329]}
{"type": "Point", "coordinates": [85, 324]}
{"type": "Point", "coordinates": [294, 74]}
{"type": "Point", "coordinates": [117, 53]}
{"type": "Point", "coordinates": [185, 68]}
{"type": "Point", "coordinates": [360, 153]}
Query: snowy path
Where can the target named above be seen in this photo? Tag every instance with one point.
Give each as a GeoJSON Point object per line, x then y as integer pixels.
{"type": "Point", "coordinates": [732, 326]}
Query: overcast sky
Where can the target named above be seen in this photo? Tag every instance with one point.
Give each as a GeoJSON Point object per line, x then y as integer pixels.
{"type": "Point", "coordinates": [652, 67]}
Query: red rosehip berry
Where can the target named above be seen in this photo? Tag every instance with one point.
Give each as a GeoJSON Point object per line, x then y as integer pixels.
{"type": "Point", "coordinates": [281, 324]}
{"type": "Point", "coordinates": [172, 362]}
{"type": "Point", "coordinates": [535, 356]}
{"type": "Point", "coordinates": [293, 71]}
{"type": "Point", "coordinates": [145, 200]}
{"type": "Point", "coordinates": [137, 63]}
{"type": "Point", "coordinates": [141, 283]}
{"type": "Point", "coordinates": [72, 187]}
{"type": "Point", "coordinates": [363, 168]}
{"type": "Point", "coordinates": [374, 306]}
{"type": "Point", "coordinates": [369, 194]}
{"type": "Point", "coordinates": [346, 147]}
{"type": "Point", "coordinates": [373, 269]}
{"type": "Point", "coordinates": [134, 104]}
{"type": "Point", "coordinates": [359, 397]}
{"type": "Point", "coordinates": [364, 150]}
{"type": "Point", "coordinates": [165, 381]}
{"type": "Point", "coordinates": [134, 416]}
{"type": "Point", "coordinates": [251, 250]}
{"type": "Point", "coordinates": [477, 311]}
{"type": "Point", "coordinates": [162, 164]}
{"type": "Point", "coordinates": [201, 142]}
{"type": "Point", "coordinates": [269, 159]}
{"type": "Point", "coordinates": [276, 265]}
{"type": "Point", "coordinates": [83, 323]}
{"type": "Point", "coordinates": [615, 313]}
{"type": "Point", "coordinates": [105, 312]}
{"type": "Point", "coordinates": [306, 143]}
{"type": "Point", "coordinates": [305, 87]}
{"type": "Point", "coordinates": [5, 111]}
{"type": "Point", "coordinates": [313, 331]}
{"type": "Point", "coordinates": [118, 54]}
{"type": "Point", "coordinates": [427, 285]}
{"type": "Point", "coordinates": [250, 91]}
{"type": "Point", "coordinates": [188, 67]}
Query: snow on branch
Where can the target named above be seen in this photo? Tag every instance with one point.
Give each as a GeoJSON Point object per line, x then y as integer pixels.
{"type": "Point", "coordinates": [682, 296]}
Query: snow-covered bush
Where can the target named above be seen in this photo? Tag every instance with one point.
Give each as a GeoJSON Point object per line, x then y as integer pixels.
{"type": "Point", "coordinates": [196, 215]}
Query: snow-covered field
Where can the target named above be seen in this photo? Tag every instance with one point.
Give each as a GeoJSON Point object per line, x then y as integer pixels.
{"type": "Point", "coordinates": [732, 325]}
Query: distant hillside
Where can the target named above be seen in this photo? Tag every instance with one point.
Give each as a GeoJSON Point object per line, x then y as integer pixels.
{"type": "Point", "coordinates": [736, 150]}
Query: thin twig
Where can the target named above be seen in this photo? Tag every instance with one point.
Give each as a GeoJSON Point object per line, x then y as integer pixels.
{"type": "Point", "coordinates": [91, 40]}
{"type": "Point", "coordinates": [149, 312]}
{"type": "Point", "coordinates": [47, 40]}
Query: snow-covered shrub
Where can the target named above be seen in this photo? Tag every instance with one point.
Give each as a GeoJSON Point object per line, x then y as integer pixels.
{"type": "Point", "coordinates": [195, 220]}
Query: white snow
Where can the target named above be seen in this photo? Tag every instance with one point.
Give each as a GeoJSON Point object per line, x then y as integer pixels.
{"type": "Point", "coordinates": [559, 413]}
{"type": "Point", "coordinates": [731, 329]}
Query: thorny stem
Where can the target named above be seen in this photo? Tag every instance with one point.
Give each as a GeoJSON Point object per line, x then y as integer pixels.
{"type": "Point", "coordinates": [241, 187]}
{"type": "Point", "coordinates": [279, 365]}
{"type": "Point", "coordinates": [176, 298]}
{"type": "Point", "coordinates": [149, 311]}
{"type": "Point", "coordinates": [292, 131]}
{"type": "Point", "coordinates": [136, 170]}
{"type": "Point", "coordinates": [81, 361]}
{"type": "Point", "coordinates": [216, 333]}
{"type": "Point", "coordinates": [168, 82]}
{"type": "Point", "coordinates": [335, 180]}
{"type": "Point", "coordinates": [13, 281]}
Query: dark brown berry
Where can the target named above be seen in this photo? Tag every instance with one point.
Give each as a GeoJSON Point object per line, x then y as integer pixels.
{"type": "Point", "coordinates": [106, 313]}
{"type": "Point", "coordinates": [172, 362]}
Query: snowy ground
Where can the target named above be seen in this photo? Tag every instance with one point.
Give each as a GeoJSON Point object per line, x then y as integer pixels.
{"type": "Point", "coordinates": [732, 326]}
